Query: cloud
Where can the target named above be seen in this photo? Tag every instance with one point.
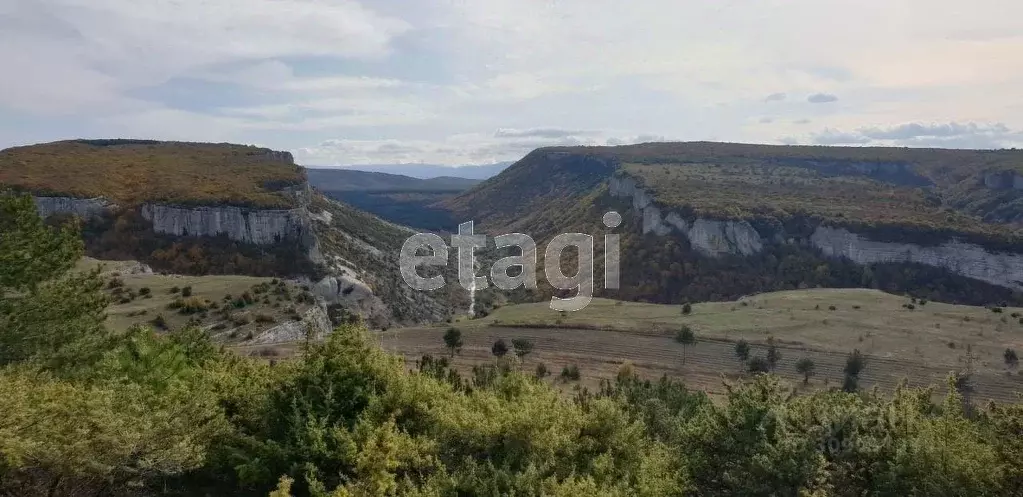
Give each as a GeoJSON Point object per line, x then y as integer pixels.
{"type": "Point", "coordinates": [441, 77]}
{"type": "Point", "coordinates": [832, 137]}
{"type": "Point", "coordinates": [917, 130]}
{"type": "Point", "coordinates": [454, 149]}
{"type": "Point", "coordinates": [821, 98]}
{"type": "Point", "coordinates": [947, 135]}
{"type": "Point", "coordinates": [540, 133]}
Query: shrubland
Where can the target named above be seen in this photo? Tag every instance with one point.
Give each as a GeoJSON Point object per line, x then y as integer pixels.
{"type": "Point", "coordinates": [89, 411]}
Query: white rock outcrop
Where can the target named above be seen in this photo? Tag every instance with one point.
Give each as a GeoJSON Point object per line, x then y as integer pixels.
{"type": "Point", "coordinates": [314, 324]}
{"type": "Point", "coordinates": [709, 236]}
{"type": "Point", "coordinates": [257, 226]}
{"type": "Point", "coordinates": [966, 259]}
{"type": "Point", "coordinates": [714, 238]}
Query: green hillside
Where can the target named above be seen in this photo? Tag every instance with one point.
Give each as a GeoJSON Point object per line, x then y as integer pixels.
{"type": "Point", "coordinates": [923, 196]}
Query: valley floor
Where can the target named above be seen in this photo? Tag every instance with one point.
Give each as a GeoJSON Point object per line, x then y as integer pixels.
{"type": "Point", "coordinates": [919, 342]}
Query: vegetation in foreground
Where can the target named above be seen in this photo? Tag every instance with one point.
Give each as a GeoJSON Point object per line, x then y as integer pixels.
{"type": "Point", "coordinates": [93, 412]}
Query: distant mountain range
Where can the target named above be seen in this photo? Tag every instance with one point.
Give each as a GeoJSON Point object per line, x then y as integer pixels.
{"type": "Point", "coordinates": [344, 180]}
{"type": "Point", "coordinates": [427, 171]}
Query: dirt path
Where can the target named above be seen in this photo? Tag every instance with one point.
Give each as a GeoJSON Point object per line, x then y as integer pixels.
{"type": "Point", "coordinates": [599, 354]}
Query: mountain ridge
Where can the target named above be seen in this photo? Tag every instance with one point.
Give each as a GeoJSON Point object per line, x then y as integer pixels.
{"type": "Point", "coordinates": [711, 221]}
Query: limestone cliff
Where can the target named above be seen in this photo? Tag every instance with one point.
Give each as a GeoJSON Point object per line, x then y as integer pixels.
{"type": "Point", "coordinates": [709, 236]}
{"type": "Point", "coordinates": [720, 237]}
{"type": "Point", "coordinates": [85, 208]}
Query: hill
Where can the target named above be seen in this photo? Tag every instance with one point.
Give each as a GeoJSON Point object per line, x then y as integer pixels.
{"type": "Point", "coordinates": [401, 199]}
{"type": "Point", "coordinates": [201, 209]}
{"type": "Point", "coordinates": [710, 221]}
{"type": "Point", "coordinates": [131, 172]}
{"type": "Point", "coordinates": [344, 180]}
{"type": "Point", "coordinates": [426, 171]}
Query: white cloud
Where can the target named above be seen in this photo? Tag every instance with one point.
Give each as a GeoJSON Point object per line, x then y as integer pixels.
{"type": "Point", "coordinates": [948, 135]}
{"type": "Point", "coordinates": [456, 149]}
{"type": "Point", "coordinates": [438, 78]}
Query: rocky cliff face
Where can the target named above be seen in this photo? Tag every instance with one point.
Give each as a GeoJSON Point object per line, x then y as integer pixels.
{"type": "Point", "coordinates": [708, 236]}
{"type": "Point", "coordinates": [257, 226]}
{"type": "Point", "coordinates": [1003, 269]}
{"type": "Point", "coordinates": [85, 208]}
{"type": "Point", "coordinates": [716, 238]}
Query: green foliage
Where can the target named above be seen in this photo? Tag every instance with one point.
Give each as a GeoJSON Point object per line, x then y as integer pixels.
{"type": "Point", "coordinates": [806, 367]}
{"type": "Point", "coordinates": [570, 373]}
{"type": "Point", "coordinates": [522, 346]}
{"type": "Point", "coordinates": [758, 365]}
{"type": "Point", "coordinates": [742, 350]}
{"type": "Point", "coordinates": [48, 314]}
{"type": "Point", "coordinates": [686, 337]}
{"type": "Point", "coordinates": [499, 349]}
{"type": "Point", "coordinates": [773, 354]}
{"type": "Point", "coordinates": [687, 309]}
{"type": "Point", "coordinates": [854, 364]}
{"type": "Point", "coordinates": [453, 340]}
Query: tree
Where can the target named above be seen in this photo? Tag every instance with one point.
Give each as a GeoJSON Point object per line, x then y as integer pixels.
{"type": "Point", "coordinates": [499, 349]}
{"type": "Point", "coordinates": [806, 367]}
{"type": "Point", "coordinates": [453, 340]}
{"type": "Point", "coordinates": [742, 351]}
{"type": "Point", "coordinates": [686, 337]}
{"type": "Point", "coordinates": [850, 384]}
{"type": "Point", "coordinates": [758, 365]}
{"type": "Point", "coordinates": [49, 314]}
{"type": "Point", "coordinates": [687, 309]}
{"type": "Point", "coordinates": [854, 364]}
{"type": "Point", "coordinates": [522, 346]}
{"type": "Point", "coordinates": [1011, 359]}
{"type": "Point", "coordinates": [773, 354]}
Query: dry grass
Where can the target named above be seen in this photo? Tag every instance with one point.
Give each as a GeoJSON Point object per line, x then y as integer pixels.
{"type": "Point", "coordinates": [212, 289]}
{"type": "Point", "coordinates": [131, 173]}
{"type": "Point", "coordinates": [875, 322]}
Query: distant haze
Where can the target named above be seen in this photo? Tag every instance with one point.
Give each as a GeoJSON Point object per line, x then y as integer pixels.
{"type": "Point", "coordinates": [427, 171]}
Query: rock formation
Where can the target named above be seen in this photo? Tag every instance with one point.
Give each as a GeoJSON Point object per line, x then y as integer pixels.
{"type": "Point", "coordinates": [717, 237]}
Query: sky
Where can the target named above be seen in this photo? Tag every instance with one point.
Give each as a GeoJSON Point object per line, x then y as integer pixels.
{"type": "Point", "coordinates": [478, 81]}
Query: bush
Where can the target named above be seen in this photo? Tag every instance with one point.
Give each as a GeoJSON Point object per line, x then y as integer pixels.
{"type": "Point", "coordinates": [1011, 359]}
{"type": "Point", "coordinates": [831, 308]}
{"type": "Point", "coordinates": [687, 309]}
{"type": "Point", "coordinates": [240, 319]}
{"type": "Point", "coordinates": [144, 291]}
{"type": "Point", "coordinates": [758, 365]}
{"type": "Point", "coordinates": [570, 373]}
{"type": "Point", "coordinates": [855, 363]}
{"type": "Point", "coordinates": [499, 349]}
{"type": "Point", "coordinates": [186, 291]}
{"type": "Point", "coordinates": [175, 289]}
{"type": "Point", "coordinates": [159, 322]}
{"type": "Point", "coordinates": [541, 371]}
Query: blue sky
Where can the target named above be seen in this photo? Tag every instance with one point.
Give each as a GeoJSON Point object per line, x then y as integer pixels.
{"type": "Point", "coordinates": [479, 81]}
